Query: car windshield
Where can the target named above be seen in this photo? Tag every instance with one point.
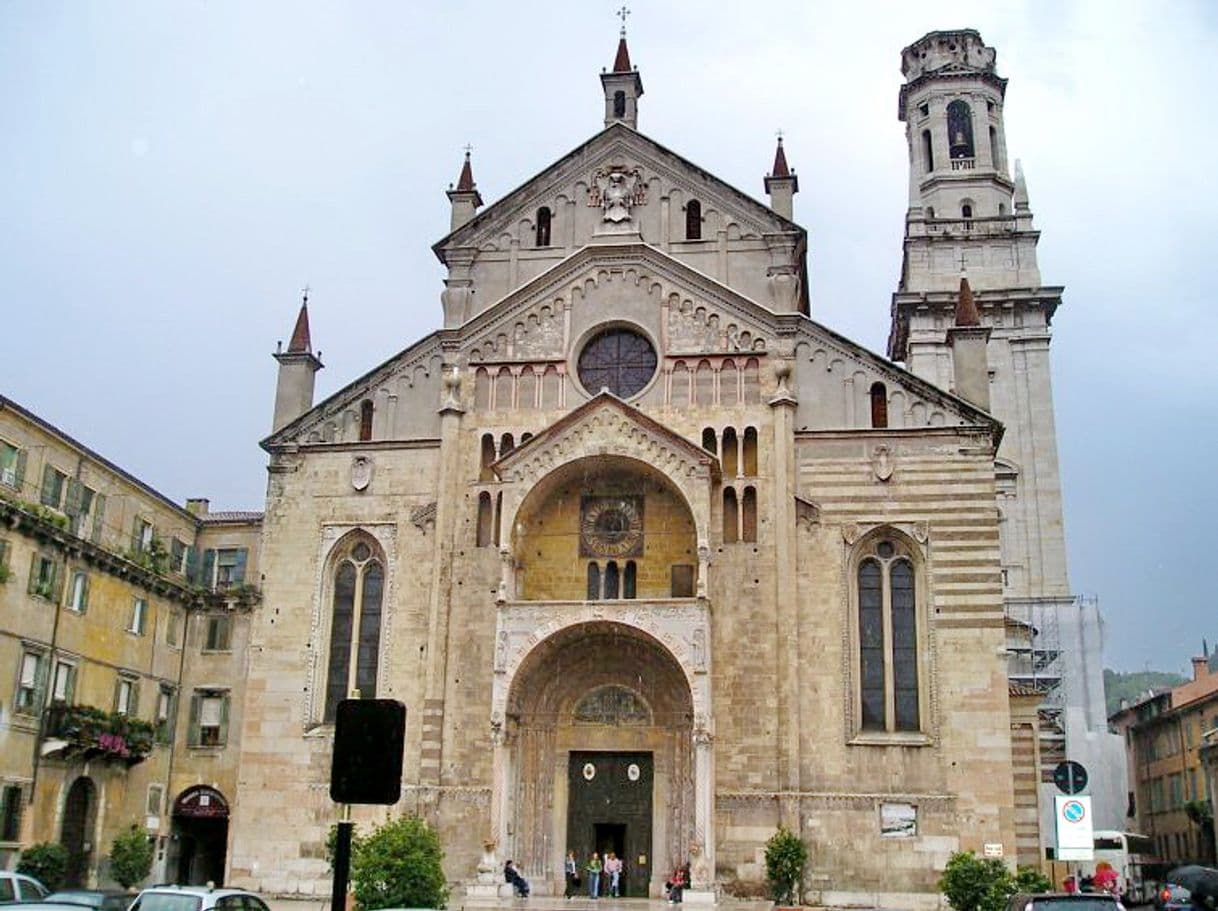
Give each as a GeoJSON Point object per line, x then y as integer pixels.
{"type": "Point", "coordinates": [92, 899]}
{"type": "Point", "coordinates": [1178, 893]}
{"type": "Point", "coordinates": [1073, 903]}
{"type": "Point", "coordinates": [169, 901]}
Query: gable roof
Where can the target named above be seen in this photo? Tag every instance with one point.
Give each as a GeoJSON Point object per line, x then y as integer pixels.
{"type": "Point", "coordinates": [615, 132]}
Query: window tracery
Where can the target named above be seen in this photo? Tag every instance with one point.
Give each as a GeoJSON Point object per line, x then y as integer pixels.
{"type": "Point", "coordinates": [357, 595]}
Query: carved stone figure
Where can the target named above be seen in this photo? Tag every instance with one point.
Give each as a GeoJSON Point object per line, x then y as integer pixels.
{"type": "Point", "coordinates": [616, 190]}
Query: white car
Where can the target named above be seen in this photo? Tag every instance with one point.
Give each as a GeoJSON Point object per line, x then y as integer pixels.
{"type": "Point", "coordinates": [196, 898]}
{"type": "Point", "coordinates": [17, 887]}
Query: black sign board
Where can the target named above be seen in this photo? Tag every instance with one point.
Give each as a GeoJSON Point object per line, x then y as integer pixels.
{"type": "Point", "coordinates": [369, 738]}
{"type": "Point", "coordinates": [1070, 777]}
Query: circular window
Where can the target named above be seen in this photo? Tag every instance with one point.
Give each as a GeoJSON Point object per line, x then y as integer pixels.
{"type": "Point", "coordinates": [620, 360]}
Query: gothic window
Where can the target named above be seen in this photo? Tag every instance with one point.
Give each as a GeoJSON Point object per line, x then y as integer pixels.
{"type": "Point", "coordinates": [365, 420]}
{"type": "Point", "coordinates": [619, 104]}
{"type": "Point", "coordinates": [693, 220]}
{"type": "Point", "coordinates": [543, 227]}
{"type": "Point", "coordinates": [887, 636]}
{"type": "Point", "coordinates": [709, 443]}
{"type": "Point", "coordinates": [960, 130]}
{"type": "Point", "coordinates": [879, 405]}
{"type": "Point", "coordinates": [617, 359]}
{"type": "Point", "coordinates": [928, 152]}
{"type": "Point", "coordinates": [498, 519]}
{"type": "Point", "coordinates": [731, 516]}
{"type": "Point", "coordinates": [485, 518]}
{"type": "Point", "coordinates": [355, 624]}
{"type": "Point", "coordinates": [750, 452]}
{"type": "Point", "coordinates": [731, 453]}
{"type": "Point", "coordinates": [748, 515]}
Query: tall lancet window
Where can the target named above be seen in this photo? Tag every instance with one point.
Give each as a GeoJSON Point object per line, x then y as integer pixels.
{"type": "Point", "coordinates": [960, 130]}
{"type": "Point", "coordinates": [358, 589]}
{"type": "Point", "coordinates": [693, 220]}
{"type": "Point", "coordinates": [543, 227]}
{"type": "Point", "coordinates": [619, 104]}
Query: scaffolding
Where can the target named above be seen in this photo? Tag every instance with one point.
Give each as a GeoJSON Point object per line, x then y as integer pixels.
{"type": "Point", "coordinates": [1034, 660]}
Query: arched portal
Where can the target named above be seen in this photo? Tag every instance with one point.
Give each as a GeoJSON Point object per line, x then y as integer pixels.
{"type": "Point", "coordinates": [598, 754]}
{"type": "Point", "coordinates": [199, 836]}
{"type": "Point", "coordinates": [79, 815]}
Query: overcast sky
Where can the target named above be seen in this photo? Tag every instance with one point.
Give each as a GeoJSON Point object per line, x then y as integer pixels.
{"type": "Point", "coordinates": [171, 174]}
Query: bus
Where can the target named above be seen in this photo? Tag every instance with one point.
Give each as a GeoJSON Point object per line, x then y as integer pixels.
{"type": "Point", "coordinates": [1132, 856]}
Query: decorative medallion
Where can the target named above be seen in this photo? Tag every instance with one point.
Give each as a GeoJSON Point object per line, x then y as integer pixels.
{"type": "Point", "coordinates": [632, 771]}
{"type": "Point", "coordinates": [361, 472]}
{"type": "Point", "coordinates": [616, 190]}
{"type": "Point", "coordinates": [611, 527]}
{"type": "Point", "coordinates": [589, 771]}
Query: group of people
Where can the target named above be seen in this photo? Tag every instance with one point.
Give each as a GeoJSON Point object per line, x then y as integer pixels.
{"type": "Point", "coordinates": [611, 867]}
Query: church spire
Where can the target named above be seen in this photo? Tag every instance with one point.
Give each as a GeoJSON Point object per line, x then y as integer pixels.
{"type": "Point", "coordinates": [968, 341]}
{"type": "Point", "coordinates": [300, 342]}
{"type": "Point", "coordinates": [465, 198]}
{"type": "Point", "coordinates": [298, 367]}
{"type": "Point", "coordinates": [623, 87]}
{"type": "Point", "coordinates": [781, 184]}
{"type": "Point", "coordinates": [966, 308]}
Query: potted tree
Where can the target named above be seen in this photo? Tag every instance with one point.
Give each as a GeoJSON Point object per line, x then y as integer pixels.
{"type": "Point", "coordinates": [785, 857]}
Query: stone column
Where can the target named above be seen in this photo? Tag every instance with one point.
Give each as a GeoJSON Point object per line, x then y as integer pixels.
{"type": "Point", "coordinates": [783, 406]}
{"type": "Point", "coordinates": [702, 852]}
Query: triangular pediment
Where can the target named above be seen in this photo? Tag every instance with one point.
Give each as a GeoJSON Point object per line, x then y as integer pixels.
{"type": "Point", "coordinates": [571, 179]}
{"type": "Point", "coordinates": [606, 426]}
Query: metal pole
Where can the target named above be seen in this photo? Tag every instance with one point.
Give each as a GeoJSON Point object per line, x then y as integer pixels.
{"type": "Point", "coordinates": [342, 861]}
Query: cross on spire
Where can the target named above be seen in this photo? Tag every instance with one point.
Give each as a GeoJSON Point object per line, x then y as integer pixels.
{"type": "Point", "coordinates": [468, 148]}
{"type": "Point", "coordinates": [305, 294]}
{"type": "Point", "coordinates": [622, 14]}
{"type": "Point", "coordinates": [779, 134]}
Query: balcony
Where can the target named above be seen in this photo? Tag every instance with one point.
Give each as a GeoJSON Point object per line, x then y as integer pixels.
{"type": "Point", "coordinates": [88, 732]}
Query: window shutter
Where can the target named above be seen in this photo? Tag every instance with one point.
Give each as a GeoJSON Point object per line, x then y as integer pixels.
{"type": "Point", "coordinates": [135, 535]}
{"type": "Point", "coordinates": [239, 566]}
{"type": "Point", "coordinates": [99, 512]}
{"type": "Point", "coordinates": [192, 564]}
{"type": "Point", "coordinates": [70, 693]}
{"type": "Point", "coordinates": [133, 702]}
{"type": "Point", "coordinates": [192, 735]}
{"type": "Point", "coordinates": [40, 682]}
{"type": "Point", "coordinates": [223, 739]}
{"type": "Point", "coordinates": [75, 492]}
{"type": "Point", "coordinates": [118, 692]}
{"type": "Point", "coordinates": [33, 586]}
{"type": "Point", "coordinates": [19, 470]}
{"type": "Point", "coordinates": [209, 568]}
{"type": "Point", "coordinates": [84, 596]}
{"type": "Point", "coordinates": [57, 575]}
{"type": "Point", "coordinates": [48, 486]}
{"type": "Point", "coordinates": [171, 720]}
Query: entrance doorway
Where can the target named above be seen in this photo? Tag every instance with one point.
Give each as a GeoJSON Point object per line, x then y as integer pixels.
{"type": "Point", "coordinates": [609, 810]}
{"type": "Point", "coordinates": [199, 837]}
{"type": "Point", "coordinates": [78, 816]}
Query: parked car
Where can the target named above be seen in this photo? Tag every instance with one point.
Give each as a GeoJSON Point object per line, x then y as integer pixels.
{"type": "Point", "coordinates": [1065, 901]}
{"type": "Point", "coordinates": [101, 899]}
{"type": "Point", "coordinates": [196, 898]}
{"type": "Point", "coordinates": [17, 887]}
{"type": "Point", "coordinates": [1171, 897]}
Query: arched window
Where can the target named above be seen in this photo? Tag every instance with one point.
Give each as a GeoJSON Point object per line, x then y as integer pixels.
{"type": "Point", "coordinates": [731, 453]}
{"type": "Point", "coordinates": [365, 420]}
{"type": "Point", "coordinates": [355, 625]}
{"type": "Point", "coordinates": [630, 580]}
{"type": "Point", "coordinates": [960, 130]}
{"type": "Point", "coordinates": [966, 210]}
{"type": "Point", "coordinates": [709, 442]}
{"type": "Point", "coordinates": [729, 383]}
{"type": "Point", "coordinates": [680, 384]}
{"type": "Point", "coordinates": [503, 390]}
{"type": "Point", "coordinates": [731, 516]}
{"type": "Point", "coordinates": [704, 384]}
{"type": "Point", "coordinates": [543, 227]}
{"type": "Point", "coordinates": [611, 581]}
{"type": "Point", "coordinates": [487, 458]}
{"type": "Point", "coordinates": [930, 211]}
{"type": "Point", "coordinates": [594, 582]}
{"type": "Point", "coordinates": [506, 444]}
{"type": "Point", "coordinates": [498, 517]}
{"type": "Point", "coordinates": [750, 452]}
{"type": "Point", "coordinates": [525, 437]}
{"type": "Point", "coordinates": [619, 104]}
{"type": "Point", "coordinates": [752, 381]}
{"type": "Point", "coordinates": [693, 220]}
{"type": "Point", "coordinates": [482, 389]}
{"type": "Point", "coordinates": [550, 388]}
{"type": "Point", "coordinates": [879, 405]}
{"type": "Point", "coordinates": [888, 637]}
{"type": "Point", "coordinates": [485, 519]}
{"type": "Point", "coordinates": [748, 515]}
{"type": "Point", "coordinates": [526, 389]}
{"type": "Point", "coordinates": [928, 152]}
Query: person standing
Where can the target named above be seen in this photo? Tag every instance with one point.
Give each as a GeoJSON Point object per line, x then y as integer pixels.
{"type": "Point", "coordinates": [570, 871]}
{"type": "Point", "coordinates": [613, 866]}
{"type": "Point", "coordinates": [593, 870]}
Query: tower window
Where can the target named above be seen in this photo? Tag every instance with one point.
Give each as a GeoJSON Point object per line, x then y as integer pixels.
{"type": "Point", "coordinates": [630, 579]}
{"type": "Point", "coordinates": [485, 519]}
{"type": "Point", "coordinates": [543, 227]}
{"type": "Point", "coordinates": [928, 151]}
{"type": "Point", "coordinates": [966, 210]}
{"type": "Point", "coordinates": [748, 515]}
{"type": "Point", "coordinates": [619, 104]}
{"type": "Point", "coordinates": [693, 220]}
{"type": "Point", "coordinates": [960, 130]}
{"type": "Point", "coordinates": [879, 405]}
{"type": "Point", "coordinates": [924, 110]}
{"type": "Point", "coordinates": [611, 581]}
{"type": "Point", "coordinates": [995, 152]}
{"type": "Point", "coordinates": [731, 453]}
{"type": "Point", "coordinates": [594, 582]}
{"type": "Point", "coordinates": [709, 442]}
{"type": "Point", "coordinates": [731, 516]}
{"type": "Point", "coordinates": [750, 452]}
{"type": "Point", "coordinates": [365, 420]}
{"type": "Point", "coordinates": [487, 458]}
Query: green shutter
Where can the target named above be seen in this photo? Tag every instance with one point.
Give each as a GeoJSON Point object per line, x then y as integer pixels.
{"type": "Point", "coordinates": [192, 564]}
{"type": "Point", "coordinates": [70, 695]}
{"type": "Point", "coordinates": [99, 510]}
{"type": "Point", "coordinates": [239, 566]}
{"type": "Point", "coordinates": [47, 495]}
{"type": "Point", "coordinates": [57, 574]}
{"type": "Point", "coordinates": [40, 682]}
{"type": "Point", "coordinates": [192, 733]}
{"type": "Point", "coordinates": [84, 595]}
{"type": "Point", "coordinates": [133, 706]}
{"type": "Point", "coordinates": [171, 717]}
{"type": "Point", "coordinates": [20, 469]}
{"type": "Point", "coordinates": [135, 535]}
{"type": "Point", "coordinates": [223, 739]}
{"type": "Point", "coordinates": [33, 586]}
{"type": "Point", "coordinates": [118, 688]}
{"type": "Point", "coordinates": [209, 568]}
{"type": "Point", "coordinates": [71, 505]}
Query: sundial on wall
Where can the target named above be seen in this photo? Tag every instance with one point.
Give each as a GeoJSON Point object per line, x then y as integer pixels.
{"type": "Point", "coordinates": [611, 527]}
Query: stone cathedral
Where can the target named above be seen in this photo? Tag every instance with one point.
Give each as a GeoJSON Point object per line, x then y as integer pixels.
{"type": "Point", "coordinates": [657, 562]}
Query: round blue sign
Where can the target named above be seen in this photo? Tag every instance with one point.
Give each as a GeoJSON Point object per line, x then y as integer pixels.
{"type": "Point", "coordinates": [1073, 811]}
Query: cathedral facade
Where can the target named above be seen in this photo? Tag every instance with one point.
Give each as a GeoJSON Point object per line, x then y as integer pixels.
{"type": "Point", "coordinates": [657, 562]}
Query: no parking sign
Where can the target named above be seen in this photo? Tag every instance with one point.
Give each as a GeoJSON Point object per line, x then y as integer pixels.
{"type": "Point", "coordinates": [1075, 838]}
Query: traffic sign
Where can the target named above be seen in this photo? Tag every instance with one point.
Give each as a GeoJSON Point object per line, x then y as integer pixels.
{"type": "Point", "coordinates": [1075, 838]}
{"type": "Point", "coordinates": [1070, 777]}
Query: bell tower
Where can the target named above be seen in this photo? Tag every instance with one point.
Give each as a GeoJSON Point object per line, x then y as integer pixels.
{"type": "Point", "coordinates": [623, 86]}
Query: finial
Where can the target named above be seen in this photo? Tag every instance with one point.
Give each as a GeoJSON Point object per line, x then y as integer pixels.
{"type": "Point", "coordinates": [622, 14]}
{"type": "Point", "coordinates": [468, 148]}
{"type": "Point", "coordinates": [304, 300]}
{"type": "Point", "coordinates": [778, 133]}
